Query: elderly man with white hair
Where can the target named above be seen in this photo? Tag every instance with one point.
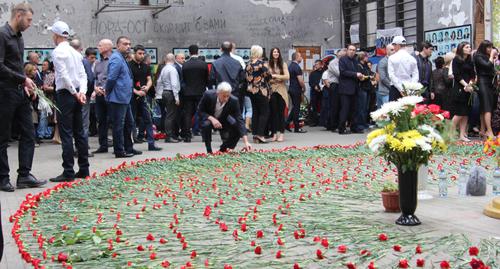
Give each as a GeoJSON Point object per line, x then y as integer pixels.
{"type": "Point", "coordinates": [220, 110]}
{"type": "Point", "coordinates": [168, 87]}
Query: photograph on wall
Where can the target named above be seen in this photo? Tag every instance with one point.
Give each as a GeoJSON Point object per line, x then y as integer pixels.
{"type": "Point", "coordinates": [212, 54]}
{"type": "Point", "coordinates": [496, 22]}
{"type": "Point", "coordinates": [43, 54]}
{"type": "Point", "coordinates": [447, 39]}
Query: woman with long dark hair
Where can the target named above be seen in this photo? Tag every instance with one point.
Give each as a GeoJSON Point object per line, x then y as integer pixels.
{"type": "Point", "coordinates": [484, 61]}
{"type": "Point", "coordinates": [464, 76]}
{"type": "Point", "coordinates": [258, 77]}
{"type": "Point", "coordinates": [279, 94]}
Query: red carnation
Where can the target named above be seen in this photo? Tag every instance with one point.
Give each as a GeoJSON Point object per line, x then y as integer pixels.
{"type": "Point", "coordinates": [397, 248]}
{"type": "Point", "coordinates": [342, 249]}
{"type": "Point", "coordinates": [420, 262]}
{"type": "Point", "coordinates": [351, 265]}
{"type": "Point", "coordinates": [473, 251]}
{"type": "Point", "coordinates": [403, 263]}
{"type": "Point", "coordinates": [150, 237]}
{"type": "Point", "coordinates": [446, 114]}
{"type": "Point", "coordinates": [444, 265]}
{"type": "Point", "coordinates": [258, 250]}
{"type": "Point", "coordinates": [324, 242]}
{"type": "Point", "coordinates": [382, 237]}
{"type": "Point", "coordinates": [280, 242]}
{"type": "Point", "coordinates": [476, 264]}
{"type": "Point", "coordinates": [227, 266]}
{"type": "Point", "coordinates": [165, 264]}
{"type": "Point", "coordinates": [434, 109]}
{"type": "Point", "coordinates": [278, 254]}
{"type": "Point", "coordinates": [62, 257]}
{"type": "Point", "coordinates": [372, 265]}
{"type": "Point", "coordinates": [418, 250]}
{"type": "Point", "coordinates": [163, 241]}
{"type": "Point", "coordinates": [140, 248]}
{"type": "Point", "coordinates": [260, 234]}
{"type": "Point", "coordinates": [319, 254]}
{"type": "Point", "coordinates": [244, 227]}
{"type": "Point", "coordinates": [296, 266]}
{"type": "Point", "coordinates": [152, 256]}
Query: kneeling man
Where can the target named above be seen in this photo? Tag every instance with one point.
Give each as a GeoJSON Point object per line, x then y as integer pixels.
{"type": "Point", "coordinates": [220, 110]}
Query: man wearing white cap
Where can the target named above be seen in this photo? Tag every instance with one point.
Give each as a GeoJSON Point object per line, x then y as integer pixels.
{"type": "Point", "coordinates": [402, 68]}
{"type": "Point", "coordinates": [71, 86]}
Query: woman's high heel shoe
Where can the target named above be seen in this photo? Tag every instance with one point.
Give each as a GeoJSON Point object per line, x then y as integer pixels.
{"type": "Point", "coordinates": [281, 138]}
{"type": "Point", "coordinates": [259, 140]}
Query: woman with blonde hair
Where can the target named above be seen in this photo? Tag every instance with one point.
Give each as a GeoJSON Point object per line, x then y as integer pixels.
{"type": "Point", "coordinates": [258, 77]}
{"type": "Point", "coordinates": [279, 93]}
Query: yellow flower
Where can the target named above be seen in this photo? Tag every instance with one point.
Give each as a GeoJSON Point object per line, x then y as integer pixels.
{"type": "Point", "coordinates": [374, 134]}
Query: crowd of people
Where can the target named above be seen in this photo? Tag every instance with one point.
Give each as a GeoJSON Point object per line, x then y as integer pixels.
{"type": "Point", "coordinates": [82, 93]}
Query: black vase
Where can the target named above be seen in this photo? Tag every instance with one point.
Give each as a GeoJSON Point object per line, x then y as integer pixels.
{"type": "Point", "coordinates": [408, 187]}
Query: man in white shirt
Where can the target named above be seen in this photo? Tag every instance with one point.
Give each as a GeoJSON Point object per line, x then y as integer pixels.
{"type": "Point", "coordinates": [71, 87]}
{"type": "Point", "coordinates": [168, 87]}
{"type": "Point", "coordinates": [236, 56]}
{"type": "Point", "coordinates": [402, 68]}
{"type": "Point", "coordinates": [332, 75]}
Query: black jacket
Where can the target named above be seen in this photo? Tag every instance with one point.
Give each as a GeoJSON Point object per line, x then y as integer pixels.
{"type": "Point", "coordinates": [484, 67]}
{"type": "Point", "coordinates": [348, 81]}
{"type": "Point", "coordinates": [230, 116]}
{"type": "Point", "coordinates": [195, 75]}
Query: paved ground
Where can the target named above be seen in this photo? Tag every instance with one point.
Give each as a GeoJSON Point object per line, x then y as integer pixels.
{"type": "Point", "coordinates": [453, 214]}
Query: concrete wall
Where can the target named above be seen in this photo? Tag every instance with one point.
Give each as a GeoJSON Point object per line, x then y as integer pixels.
{"type": "Point", "coordinates": [281, 23]}
{"type": "Point", "coordinates": [447, 13]}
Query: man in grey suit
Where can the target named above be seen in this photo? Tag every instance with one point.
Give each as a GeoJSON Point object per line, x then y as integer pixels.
{"type": "Point", "coordinates": [384, 84]}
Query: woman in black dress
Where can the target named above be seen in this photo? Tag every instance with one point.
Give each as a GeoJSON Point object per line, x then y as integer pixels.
{"type": "Point", "coordinates": [464, 76]}
{"type": "Point", "coordinates": [485, 68]}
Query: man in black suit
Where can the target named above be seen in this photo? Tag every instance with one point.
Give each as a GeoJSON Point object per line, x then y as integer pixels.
{"type": "Point", "coordinates": [348, 87]}
{"type": "Point", "coordinates": [227, 69]}
{"type": "Point", "coordinates": [195, 75]}
{"type": "Point", "coordinates": [219, 110]}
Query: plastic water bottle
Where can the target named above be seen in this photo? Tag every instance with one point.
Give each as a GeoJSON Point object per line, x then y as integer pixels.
{"type": "Point", "coordinates": [496, 182]}
{"type": "Point", "coordinates": [443, 184]}
{"type": "Point", "coordinates": [462, 181]}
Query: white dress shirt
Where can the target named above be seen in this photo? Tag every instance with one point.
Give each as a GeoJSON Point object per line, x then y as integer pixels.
{"type": "Point", "coordinates": [70, 73]}
{"type": "Point", "coordinates": [402, 67]}
{"type": "Point", "coordinates": [168, 81]}
{"type": "Point", "coordinates": [333, 71]}
{"type": "Point", "coordinates": [239, 59]}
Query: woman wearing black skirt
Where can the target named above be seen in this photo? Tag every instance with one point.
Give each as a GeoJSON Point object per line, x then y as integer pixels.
{"type": "Point", "coordinates": [464, 75]}
{"type": "Point", "coordinates": [485, 69]}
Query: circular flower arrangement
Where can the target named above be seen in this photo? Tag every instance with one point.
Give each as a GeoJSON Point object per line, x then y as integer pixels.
{"type": "Point", "coordinates": [290, 208]}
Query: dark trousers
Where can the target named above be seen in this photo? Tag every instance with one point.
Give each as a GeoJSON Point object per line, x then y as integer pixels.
{"type": "Point", "coordinates": [168, 100]}
{"type": "Point", "coordinates": [295, 112]}
{"type": "Point", "coordinates": [1, 235]}
{"type": "Point", "coordinates": [123, 122]}
{"type": "Point", "coordinates": [394, 94]}
{"type": "Point", "coordinates": [260, 113]}
{"type": "Point", "coordinates": [16, 107]}
{"type": "Point", "coordinates": [316, 106]}
{"type": "Point", "coordinates": [277, 115]}
{"type": "Point", "coordinates": [70, 123]}
{"type": "Point", "coordinates": [361, 114]}
{"type": "Point", "coordinates": [189, 107]}
{"type": "Point", "coordinates": [143, 112]}
{"type": "Point", "coordinates": [347, 107]}
{"type": "Point", "coordinates": [333, 122]}
{"type": "Point", "coordinates": [101, 109]}
{"type": "Point", "coordinates": [229, 135]}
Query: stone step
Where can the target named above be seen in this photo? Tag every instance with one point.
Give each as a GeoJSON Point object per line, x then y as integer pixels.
{"type": "Point", "coordinates": [493, 209]}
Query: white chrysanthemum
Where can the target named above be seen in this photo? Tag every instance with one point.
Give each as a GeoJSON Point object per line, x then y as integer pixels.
{"type": "Point", "coordinates": [424, 143]}
{"type": "Point", "coordinates": [411, 100]}
{"type": "Point", "coordinates": [433, 134]}
{"type": "Point", "coordinates": [377, 142]}
{"type": "Point", "coordinates": [412, 86]}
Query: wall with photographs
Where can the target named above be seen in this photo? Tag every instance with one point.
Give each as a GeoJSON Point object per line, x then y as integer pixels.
{"type": "Point", "coordinates": [495, 15]}
{"type": "Point", "coordinates": [447, 39]}
{"type": "Point", "coordinates": [270, 23]}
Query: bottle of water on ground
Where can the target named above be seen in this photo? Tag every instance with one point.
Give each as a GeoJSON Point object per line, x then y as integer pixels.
{"type": "Point", "coordinates": [496, 182]}
{"type": "Point", "coordinates": [462, 181]}
{"type": "Point", "coordinates": [443, 184]}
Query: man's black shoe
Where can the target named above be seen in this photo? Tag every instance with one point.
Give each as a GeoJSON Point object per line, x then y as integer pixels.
{"type": "Point", "coordinates": [136, 152]}
{"type": "Point", "coordinates": [357, 131]}
{"type": "Point", "coordinates": [301, 131]}
{"type": "Point", "coordinates": [288, 128]}
{"type": "Point", "coordinates": [123, 155]}
{"type": "Point", "coordinates": [154, 148]}
{"type": "Point", "coordinates": [171, 140]}
{"type": "Point", "coordinates": [344, 132]}
{"type": "Point", "coordinates": [29, 182]}
{"type": "Point", "coordinates": [187, 140]}
{"type": "Point", "coordinates": [196, 134]}
{"type": "Point", "coordinates": [81, 174]}
{"type": "Point", "coordinates": [100, 150]}
{"type": "Point", "coordinates": [7, 187]}
{"type": "Point", "coordinates": [176, 138]}
{"type": "Point", "coordinates": [62, 178]}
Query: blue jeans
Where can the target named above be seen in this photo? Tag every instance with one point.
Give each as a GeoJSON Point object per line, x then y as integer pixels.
{"type": "Point", "coordinates": [382, 99]}
{"type": "Point", "coordinates": [43, 131]}
{"type": "Point", "coordinates": [123, 122]}
{"type": "Point", "coordinates": [361, 114]}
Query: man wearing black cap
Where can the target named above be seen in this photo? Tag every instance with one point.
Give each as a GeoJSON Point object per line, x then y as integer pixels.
{"type": "Point", "coordinates": [15, 106]}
